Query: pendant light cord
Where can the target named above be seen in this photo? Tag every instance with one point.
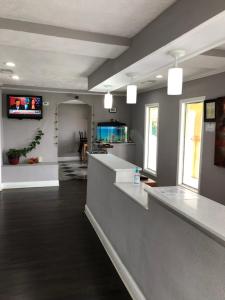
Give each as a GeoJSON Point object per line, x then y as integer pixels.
{"type": "Point", "coordinates": [176, 62]}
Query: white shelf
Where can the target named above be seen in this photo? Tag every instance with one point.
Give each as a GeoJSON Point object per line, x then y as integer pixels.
{"type": "Point", "coordinates": [31, 165]}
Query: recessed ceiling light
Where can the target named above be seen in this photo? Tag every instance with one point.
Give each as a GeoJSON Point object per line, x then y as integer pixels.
{"type": "Point", "coordinates": [10, 64]}
{"type": "Point", "coordinates": [159, 76]}
{"type": "Point", "coordinates": [15, 77]}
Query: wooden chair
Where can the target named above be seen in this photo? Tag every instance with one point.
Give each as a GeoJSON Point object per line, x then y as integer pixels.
{"type": "Point", "coordinates": [83, 145]}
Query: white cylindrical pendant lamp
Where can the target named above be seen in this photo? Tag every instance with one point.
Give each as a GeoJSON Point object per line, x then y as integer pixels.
{"type": "Point", "coordinates": [175, 81]}
{"type": "Point", "coordinates": [131, 94]}
{"type": "Point", "coordinates": [108, 101]}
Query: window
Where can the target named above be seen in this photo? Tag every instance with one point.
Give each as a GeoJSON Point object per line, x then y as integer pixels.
{"type": "Point", "coordinates": [151, 138]}
{"type": "Point", "coordinates": [190, 143]}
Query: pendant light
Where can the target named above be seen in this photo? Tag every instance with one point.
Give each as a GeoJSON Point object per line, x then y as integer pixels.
{"type": "Point", "coordinates": [108, 98]}
{"type": "Point", "coordinates": [131, 90]}
{"type": "Point", "coordinates": [131, 94]}
{"type": "Point", "coordinates": [175, 75]}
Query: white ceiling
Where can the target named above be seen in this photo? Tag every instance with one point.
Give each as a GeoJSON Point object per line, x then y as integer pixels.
{"type": "Point", "coordinates": [222, 47]}
{"type": "Point", "coordinates": [197, 67]}
{"type": "Point", "coordinates": [57, 61]}
{"type": "Point", "coordinates": [121, 17]}
{"type": "Point", "coordinates": [48, 69]}
{"type": "Point", "coordinates": [209, 36]}
{"type": "Point", "coordinates": [42, 42]}
{"type": "Point", "coordinates": [46, 59]}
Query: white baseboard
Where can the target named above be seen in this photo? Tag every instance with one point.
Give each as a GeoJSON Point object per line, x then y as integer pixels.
{"type": "Point", "coordinates": [29, 184]}
{"type": "Point", "coordinates": [124, 274]}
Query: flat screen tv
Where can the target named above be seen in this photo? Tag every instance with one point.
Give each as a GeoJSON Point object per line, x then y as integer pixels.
{"type": "Point", "coordinates": [24, 107]}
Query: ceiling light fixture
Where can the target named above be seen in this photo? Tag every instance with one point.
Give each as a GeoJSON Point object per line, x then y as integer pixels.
{"type": "Point", "coordinates": [108, 98]}
{"type": "Point", "coordinates": [15, 77]}
{"type": "Point", "coordinates": [175, 74]}
{"type": "Point", "coordinates": [159, 76]}
{"type": "Point", "coordinates": [131, 94]}
{"type": "Point", "coordinates": [131, 90]}
{"type": "Point", "coordinates": [10, 64]}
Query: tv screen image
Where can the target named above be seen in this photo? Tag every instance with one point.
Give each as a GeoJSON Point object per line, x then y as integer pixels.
{"type": "Point", "coordinates": [24, 107]}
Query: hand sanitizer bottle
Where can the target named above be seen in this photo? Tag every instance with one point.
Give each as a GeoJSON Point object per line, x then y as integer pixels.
{"type": "Point", "coordinates": [136, 176]}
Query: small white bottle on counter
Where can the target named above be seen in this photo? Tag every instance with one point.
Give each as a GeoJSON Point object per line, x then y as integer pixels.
{"type": "Point", "coordinates": [137, 177]}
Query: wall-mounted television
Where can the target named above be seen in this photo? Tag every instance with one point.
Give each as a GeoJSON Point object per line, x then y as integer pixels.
{"type": "Point", "coordinates": [24, 107]}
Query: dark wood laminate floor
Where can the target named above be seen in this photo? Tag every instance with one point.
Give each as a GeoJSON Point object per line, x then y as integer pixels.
{"type": "Point", "coordinates": [48, 249]}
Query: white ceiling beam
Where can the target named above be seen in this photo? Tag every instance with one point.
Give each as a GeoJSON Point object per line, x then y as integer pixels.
{"type": "Point", "coordinates": [176, 21]}
{"type": "Point", "coordinates": [70, 92]}
{"type": "Point", "coordinates": [62, 32]}
{"type": "Point", "coordinates": [7, 88]}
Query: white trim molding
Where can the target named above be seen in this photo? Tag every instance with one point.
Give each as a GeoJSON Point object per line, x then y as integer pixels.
{"type": "Point", "coordinates": [146, 135]}
{"type": "Point", "coordinates": [180, 156]}
{"type": "Point", "coordinates": [29, 184]}
{"type": "Point", "coordinates": [124, 274]}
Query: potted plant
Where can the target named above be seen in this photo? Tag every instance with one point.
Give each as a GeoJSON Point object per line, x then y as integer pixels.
{"type": "Point", "coordinates": [15, 154]}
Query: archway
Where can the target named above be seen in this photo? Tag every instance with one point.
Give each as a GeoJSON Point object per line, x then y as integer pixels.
{"type": "Point", "coordinates": [73, 125]}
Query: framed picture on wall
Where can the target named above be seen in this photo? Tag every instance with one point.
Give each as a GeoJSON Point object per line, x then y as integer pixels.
{"type": "Point", "coordinates": [113, 110]}
{"type": "Point", "coordinates": [210, 111]}
{"type": "Point", "coordinates": [220, 133]}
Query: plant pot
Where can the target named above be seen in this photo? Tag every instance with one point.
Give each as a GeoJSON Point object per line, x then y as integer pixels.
{"type": "Point", "coordinates": [13, 160]}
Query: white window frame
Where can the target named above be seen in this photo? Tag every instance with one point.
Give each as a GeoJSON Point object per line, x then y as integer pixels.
{"type": "Point", "coordinates": [146, 131]}
{"type": "Point", "coordinates": [180, 157]}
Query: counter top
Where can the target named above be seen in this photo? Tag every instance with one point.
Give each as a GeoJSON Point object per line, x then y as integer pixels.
{"type": "Point", "coordinates": [135, 191]}
{"type": "Point", "coordinates": [205, 213]}
{"type": "Point", "coordinates": [113, 162]}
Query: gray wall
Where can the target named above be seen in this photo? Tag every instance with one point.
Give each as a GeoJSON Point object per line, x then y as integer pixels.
{"type": "Point", "coordinates": [213, 177]}
{"type": "Point", "coordinates": [124, 151]}
{"type": "Point", "coordinates": [99, 114]}
{"type": "Point", "coordinates": [72, 118]}
{"type": "Point", "coordinates": [18, 133]}
{"type": "Point", "coordinates": [123, 113]}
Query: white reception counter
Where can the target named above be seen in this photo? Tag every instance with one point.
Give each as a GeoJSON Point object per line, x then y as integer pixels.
{"type": "Point", "coordinates": [165, 242]}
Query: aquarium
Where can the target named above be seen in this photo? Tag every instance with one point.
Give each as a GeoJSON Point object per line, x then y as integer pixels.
{"type": "Point", "coordinates": [111, 132]}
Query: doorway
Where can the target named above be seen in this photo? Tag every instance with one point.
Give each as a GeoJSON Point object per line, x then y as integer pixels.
{"type": "Point", "coordinates": [190, 143]}
{"type": "Point", "coordinates": [74, 119]}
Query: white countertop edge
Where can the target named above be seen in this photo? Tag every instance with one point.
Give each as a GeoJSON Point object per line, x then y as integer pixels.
{"type": "Point", "coordinates": [122, 143]}
{"type": "Point", "coordinates": [129, 168]}
{"type": "Point", "coordinates": [194, 220]}
{"type": "Point", "coordinates": [130, 188]}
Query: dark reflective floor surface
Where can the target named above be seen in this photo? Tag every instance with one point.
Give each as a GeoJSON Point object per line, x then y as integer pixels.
{"type": "Point", "coordinates": [48, 249]}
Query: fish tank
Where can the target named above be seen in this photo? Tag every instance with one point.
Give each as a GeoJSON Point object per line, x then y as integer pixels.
{"type": "Point", "coordinates": [112, 132]}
